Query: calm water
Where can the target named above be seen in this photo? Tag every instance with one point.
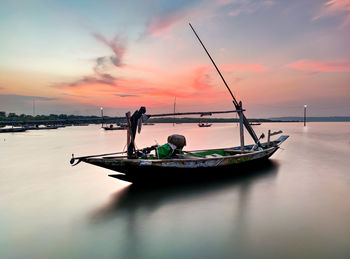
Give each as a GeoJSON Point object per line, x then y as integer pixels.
{"type": "Point", "coordinates": [295, 207]}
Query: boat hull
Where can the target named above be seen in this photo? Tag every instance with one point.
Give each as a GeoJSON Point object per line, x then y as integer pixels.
{"type": "Point", "coordinates": [114, 128]}
{"type": "Point", "coordinates": [185, 166]}
{"type": "Point", "coordinates": [138, 170]}
{"type": "Point", "coordinates": [156, 175]}
{"type": "Point", "coordinates": [8, 130]}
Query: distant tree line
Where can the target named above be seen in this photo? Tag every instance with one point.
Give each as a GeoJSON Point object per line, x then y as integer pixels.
{"type": "Point", "coordinates": [24, 117]}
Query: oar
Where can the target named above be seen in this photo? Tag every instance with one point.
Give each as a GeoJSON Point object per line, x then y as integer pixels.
{"type": "Point", "coordinates": [82, 157]}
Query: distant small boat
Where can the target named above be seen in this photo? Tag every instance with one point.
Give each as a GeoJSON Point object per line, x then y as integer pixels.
{"type": "Point", "coordinates": [6, 130]}
{"type": "Point", "coordinates": [148, 123]}
{"type": "Point", "coordinates": [41, 128]}
{"type": "Point", "coordinates": [254, 123]}
{"type": "Point", "coordinates": [120, 126]}
{"type": "Point", "coordinates": [204, 124]}
{"type": "Point", "coordinates": [81, 124]}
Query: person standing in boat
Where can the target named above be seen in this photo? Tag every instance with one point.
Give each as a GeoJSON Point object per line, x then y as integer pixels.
{"type": "Point", "coordinates": [135, 122]}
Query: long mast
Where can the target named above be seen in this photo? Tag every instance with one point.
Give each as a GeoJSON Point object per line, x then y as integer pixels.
{"type": "Point", "coordinates": [237, 105]}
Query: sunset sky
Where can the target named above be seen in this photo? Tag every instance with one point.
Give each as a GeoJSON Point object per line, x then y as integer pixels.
{"type": "Point", "coordinates": [77, 56]}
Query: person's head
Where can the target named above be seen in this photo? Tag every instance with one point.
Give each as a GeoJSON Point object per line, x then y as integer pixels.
{"type": "Point", "coordinates": [142, 110]}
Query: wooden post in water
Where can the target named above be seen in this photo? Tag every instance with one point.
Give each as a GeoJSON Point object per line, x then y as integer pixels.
{"type": "Point", "coordinates": [102, 117]}
{"type": "Point", "coordinates": [241, 129]}
{"type": "Point", "coordinates": [305, 115]}
{"type": "Point", "coordinates": [174, 111]}
{"type": "Point", "coordinates": [268, 138]}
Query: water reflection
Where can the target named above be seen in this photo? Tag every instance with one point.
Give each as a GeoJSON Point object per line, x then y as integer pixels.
{"type": "Point", "coordinates": [132, 198]}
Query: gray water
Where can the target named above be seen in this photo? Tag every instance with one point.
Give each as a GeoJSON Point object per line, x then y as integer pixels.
{"type": "Point", "coordinates": [297, 206]}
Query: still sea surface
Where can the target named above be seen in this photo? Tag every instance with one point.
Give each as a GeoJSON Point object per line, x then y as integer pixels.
{"type": "Point", "coordinates": [297, 206]}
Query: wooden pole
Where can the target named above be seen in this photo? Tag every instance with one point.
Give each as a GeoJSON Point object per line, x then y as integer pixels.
{"type": "Point", "coordinates": [101, 117]}
{"type": "Point", "coordinates": [128, 135]}
{"type": "Point", "coordinates": [191, 113]}
{"type": "Point", "coordinates": [305, 115]}
{"type": "Point", "coordinates": [241, 128]}
{"type": "Point", "coordinates": [268, 138]}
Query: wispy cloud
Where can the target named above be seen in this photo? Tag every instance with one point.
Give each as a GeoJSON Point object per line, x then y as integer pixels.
{"type": "Point", "coordinates": [86, 80]}
{"type": "Point", "coordinates": [172, 13]}
{"type": "Point", "coordinates": [237, 7]}
{"type": "Point", "coordinates": [126, 95]}
{"type": "Point", "coordinates": [256, 67]}
{"type": "Point", "coordinates": [27, 97]}
{"type": "Point", "coordinates": [165, 22]}
{"type": "Point", "coordinates": [170, 18]}
{"type": "Point", "coordinates": [74, 95]}
{"type": "Point", "coordinates": [335, 8]}
{"type": "Point", "coordinates": [320, 66]}
{"type": "Point", "coordinates": [201, 78]}
{"type": "Point", "coordinates": [247, 7]}
{"type": "Point", "coordinates": [117, 45]}
{"type": "Point", "coordinates": [101, 65]}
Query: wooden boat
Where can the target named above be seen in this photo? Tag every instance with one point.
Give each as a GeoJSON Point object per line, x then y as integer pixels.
{"type": "Point", "coordinates": [255, 123]}
{"type": "Point", "coordinates": [81, 124]}
{"type": "Point", "coordinates": [140, 166]}
{"type": "Point", "coordinates": [42, 128]}
{"type": "Point", "coordinates": [189, 164]}
{"type": "Point", "coordinates": [204, 124]}
{"type": "Point", "coordinates": [7, 130]}
{"type": "Point", "coordinates": [117, 127]}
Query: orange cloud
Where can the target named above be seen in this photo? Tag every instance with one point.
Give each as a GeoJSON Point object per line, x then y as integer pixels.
{"type": "Point", "coordinates": [189, 83]}
{"type": "Point", "coordinates": [321, 66]}
{"type": "Point", "coordinates": [250, 67]}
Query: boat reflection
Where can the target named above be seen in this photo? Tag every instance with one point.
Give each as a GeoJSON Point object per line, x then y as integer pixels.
{"type": "Point", "coordinates": [134, 198]}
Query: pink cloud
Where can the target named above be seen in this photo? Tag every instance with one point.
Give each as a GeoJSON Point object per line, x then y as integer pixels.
{"type": "Point", "coordinates": [194, 82]}
{"type": "Point", "coordinates": [250, 67]}
{"type": "Point", "coordinates": [158, 25]}
{"type": "Point", "coordinates": [200, 78]}
{"type": "Point", "coordinates": [167, 21]}
{"type": "Point", "coordinates": [335, 7]}
{"type": "Point", "coordinates": [321, 66]}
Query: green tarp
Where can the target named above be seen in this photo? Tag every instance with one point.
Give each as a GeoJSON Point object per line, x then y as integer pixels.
{"type": "Point", "coordinates": [164, 151]}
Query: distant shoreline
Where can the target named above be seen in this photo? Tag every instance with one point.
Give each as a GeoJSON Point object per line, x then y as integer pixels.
{"type": "Point", "coordinates": [14, 119]}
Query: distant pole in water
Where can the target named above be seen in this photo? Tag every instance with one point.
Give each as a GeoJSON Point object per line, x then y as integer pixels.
{"type": "Point", "coordinates": [305, 106]}
{"type": "Point", "coordinates": [174, 111]}
{"type": "Point", "coordinates": [241, 129]}
{"type": "Point", "coordinates": [102, 117]}
{"type": "Point", "coordinates": [33, 107]}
